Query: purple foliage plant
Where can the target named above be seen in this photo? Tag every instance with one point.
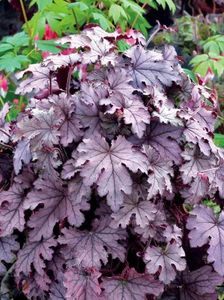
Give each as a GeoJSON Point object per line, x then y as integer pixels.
{"type": "Point", "coordinates": [104, 176]}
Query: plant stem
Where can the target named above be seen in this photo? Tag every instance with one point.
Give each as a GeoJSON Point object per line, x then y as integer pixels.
{"type": "Point", "coordinates": [75, 17]}
{"type": "Point", "coordinates": [25, 17]}
{"type": "Point", "coordinates": [3, 103]}
{"type": "Point", "coordinates": [2, 287]}
{"type": "Point", "coordinates": [68, 84]}
{"type": "Point", "coordinates": [137, 16]}
{"type": "Point", "coordinates": [76, 20]}
{"type": "Point", "coordinates": [155, 31]}
{"type": "Point", "coordinates": [221, 118]}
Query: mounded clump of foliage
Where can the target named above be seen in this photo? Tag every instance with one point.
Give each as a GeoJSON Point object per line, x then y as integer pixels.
{"type": "Point", "coordinates": [104, 175]}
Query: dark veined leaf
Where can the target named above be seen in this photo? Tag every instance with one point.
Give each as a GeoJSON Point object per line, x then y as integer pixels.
{"type": "Point", "coordinates": [8, 247]}
{"type": "Point", "coordinates": [12, 210]}
{"type": "Point", "coordinates": [41, 77]}
{"type": "Point", "coordinates": [199, 284]}
{"type": "Point", "coordinates": [205, 227]}
{"type": "Point", "coordinates": [89, 249]}
{"type": "Point", "coordinates": [22, 155]}
{"type": "Point", "coordinates": [164, 139]}
{"type": "Point", "coordinates": [131, 285]}
{"type": "Point", "coordinates": [34, 253]}
{"type": "Point", "coordinates": [82, 284]}
{"type": "Point", "coordinates": [58, 205]}
{"type": "Point", "coordinates": [142, 210]}
{"type": "Point", "coordinates": [133, 112]}
{"type": "Point", "coordinates": [41, 130]}
{"type": "Point", "coordinates": [104, 165]}
{"type": "Point", "coordinates": [149, 68]}
{"type": "Point", "coordinates": [160, 172]}
{"type": "Point", "coordinates": [167, 259]}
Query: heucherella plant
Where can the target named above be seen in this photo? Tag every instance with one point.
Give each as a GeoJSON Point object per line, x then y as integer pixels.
{"type": "Point", "coordinates": [104, 177]}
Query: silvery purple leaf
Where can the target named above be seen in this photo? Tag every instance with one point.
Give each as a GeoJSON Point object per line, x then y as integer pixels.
{"type": "Point", "coordinates": [119, 82]}
{"type": "Point", "coordinates": [12, 210]}
{"type": "Point", "coordinates": [154, 229]}
{"type": "Point", "coordinates": [195, 163]}
{"type": "Point", "coordinates": [57, 291]}
{"type": "Point", "coordinates": [41, 78]}
{"type": "Point", "coordinates": [142, 210]}
{"type": "Point", "coordinates": [160, 173]}
{"type": "Point", "coordinates": [82, 285]}
{"type": "Point", "coordinates": [131, 285]}
{"type": "Point", "coordinates": [58, 205]}
{"type": "Point", "coordinates": [164, 139]}
{"type": "Point", "coordinates": [87, 108]}
{"type": "Point", "coordinates": [133, 112]}
{"type": "Point", "coordinates": [4, 127]}
{"type": "Point", "coordinates": [54, 62]}
{"type": "Point", "coordinates": [70, 127]}
{"type": "Point", "coordinates": [8, 247]}
{"type": "Point", "coordinates": [47, 160]}
{"type": "Point", "coordinates": [219, 179]}
{"type": "Point", "coordinates": [108, 167]}
{"type": "Point", "coordinates": [89, 249]}
{"type": "Point", "coordinates": [199, 284]}
{"type": "Point", "coordinates": [197, 191]}
{"type": "Point", "coordinates": [22, 155]}
{"type": "Point", "coordinates": [100, 51]}
{"type": "Point", "coordinates": [167, 261]}
{"type": "Point", "coordinates": [34, 253]}
{"type": "Point", "coordinates": [168, 116]}
{"type": "Point", "coordinates": [207, 228]}
{"type": "Point", "coordinates": [149, 68]}
{"type": "Point", "coordinates": [41, 129]}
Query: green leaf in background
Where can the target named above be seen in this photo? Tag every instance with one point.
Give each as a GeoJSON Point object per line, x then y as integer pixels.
{"type": "Point", "coordinates": [81, 5]}
{"type": "Point", "coordinates": [191, 74]}
{"type": "Point", "coordinates": [219, 140]}
{"type": "Point", "coordinates": [49, 45]}
{"type": "Point", "coordinates": [103, 21]}
{"type": "Point", "coordinates": [11, 62]}
{"type": "Point", "coordinates": [122, 46]}
{"type": "Point", "coordinates": [40, 3]}
{"type": "Point", "coordinates": [169, 3]}
{"type": "Point", "coordinates": [116, 12]}
{"type": "Point", "coordinates": [199, 59]}
{"type": "Point", "coordinates": [133, 6]}
{"type": "Point", "coordinates": [214, 44]}
{"type": "Point", "coordinates": [5, 47]}
{"type": "Point", "coordinates": [20, 39]}
{"type": "Point", "coordinates": [209, 203]}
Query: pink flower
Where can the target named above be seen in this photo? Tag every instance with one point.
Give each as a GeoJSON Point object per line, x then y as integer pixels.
{"type": "Point", "coordinates": [3, 85]}
{"type": "Point", "coordinates": [49, 34]}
